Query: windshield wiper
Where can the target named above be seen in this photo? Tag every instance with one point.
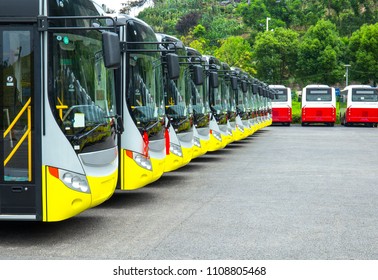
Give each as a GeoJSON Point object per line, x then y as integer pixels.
{"type": "Point", "coordinates": [79, 136]}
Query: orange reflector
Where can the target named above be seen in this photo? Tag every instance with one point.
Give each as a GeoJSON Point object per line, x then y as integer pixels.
{"type": "Point", "coordinates": [129, 153]}
{"type": "Point", "coordinates": [54, 171]}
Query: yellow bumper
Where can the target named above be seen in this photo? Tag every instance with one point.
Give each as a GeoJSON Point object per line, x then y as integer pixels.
{"type": "Point", "coordinates": [134, 176]}
{"type": "Point", "coordinates": [238, 134]}
{"type": "Point", "coordinates": [102, 188]}
{"type": "Point", "coordinates": [60, 202]}
{"type": "Point", "coordinates": [174, 162]}
{"type": "Point", "coordinates": [215, 144]}
{"type": "Point", "coordinates": [199, 151]}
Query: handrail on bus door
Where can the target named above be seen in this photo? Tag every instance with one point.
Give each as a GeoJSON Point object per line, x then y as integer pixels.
{"type": "Point", "coordinates": [26, 134]}
{"type": "Point", "coordinates": [61, 107]}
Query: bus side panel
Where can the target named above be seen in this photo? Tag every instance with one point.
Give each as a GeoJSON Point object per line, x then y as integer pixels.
{"type": "Point", "coordinates": [282, 114]}
{"type": "Point", "coordinates": [59, 201]}
{"type": "Point", "coordinates": [362, 115]}
{"type": "Point", "coordinates": [318, 114]}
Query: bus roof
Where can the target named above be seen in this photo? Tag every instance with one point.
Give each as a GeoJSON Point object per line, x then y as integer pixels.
{"type": "Point", "coordinates": [357, 86]}
{"type": "Point", "coordinates": [277, 86]}
{"type": "Point", "coordinates": [317, 86]}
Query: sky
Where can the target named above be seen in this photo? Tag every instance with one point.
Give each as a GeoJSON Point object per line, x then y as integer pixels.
{"type": "Point", "coordinates": [112, 4]}
{"type": "Point", "coordinates": [116, 5]}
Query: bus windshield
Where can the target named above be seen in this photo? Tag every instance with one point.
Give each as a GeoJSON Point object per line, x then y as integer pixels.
{"type": "Point", "coordinates": [179, 100]}
{"type": "Point", "coordinates": [365, 95]}
{"type": "Point", "coordinates": [201, 107]}
{"type": "Point", "coordinates": [82, 93]}
{"type": "Point", "coordinates": [280, 95]}
{"type": "Point", "coordinates": [198, 105]}
{"type": "Point", "coordinates": [145, 90]}
{"type": "Point", "coordinates": [318, 94]}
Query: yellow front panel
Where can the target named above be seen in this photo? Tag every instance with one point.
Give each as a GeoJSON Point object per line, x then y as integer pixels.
{"type": "Point", "coordinates": [59, 201]}
{"type": "Point", "coordinates": [102, 188]}
{"type": "Point", "coordinates": [251, 130]}
{"type": "Point", "coordinates": [238, 135]}
{"type": "Point", "coordinates": [187, 155]}
{"type": "Point", "coordinates": [173, 162]}
{"type": "Point", "coordinates": [158, 168]}
{"type": "Point", "coordinates": [135, 176]}
{"type": "Point", "coordinates": [199, 151]}
{"type": "Point", "coordinates": [215, 144]}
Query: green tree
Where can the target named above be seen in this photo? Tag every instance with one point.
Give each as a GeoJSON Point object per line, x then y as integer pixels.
{"type": "Point", "coordinates": [195, 39]}
{"type": "Point", "coordinates": [276, 55]}
{"type": "Point", "coordinates": [237, 52]}
{"type": "Point", "coordinates": [363, 53]}
{"type": "Point", "coordinates": [254, 14]}
{"type": "Point", "coordinates": [319, 55]}
{"type": "Point", "coordinates": [187, 22]}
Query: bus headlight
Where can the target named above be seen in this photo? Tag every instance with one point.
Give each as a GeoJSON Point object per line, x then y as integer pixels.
{"type": "Point", "coordinates": [241, 129]}
{"type": "Point", "coordinates": [217, 135]}
{"type": "Point", "coordinates": [175, 149]}
{"type": "Point", "coordinates": [74, 181]}
{"type": "Point", "coordinates": [143, 161]}
{"type": "Point", "coordinates": [196, 142]}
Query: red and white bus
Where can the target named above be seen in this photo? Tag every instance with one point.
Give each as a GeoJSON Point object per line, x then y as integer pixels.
{"type": "Point", "coordinates": [359, 105]}
{"type": "Point", "coordinates": [318, 105]}
{"type": "Point", "coordinates": [281, 105]}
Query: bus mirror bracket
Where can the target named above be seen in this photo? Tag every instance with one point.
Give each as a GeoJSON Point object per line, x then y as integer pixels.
{"type": "Point", "coordinates": [112, 50]}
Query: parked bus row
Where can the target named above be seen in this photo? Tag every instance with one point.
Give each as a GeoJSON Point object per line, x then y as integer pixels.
{"type": "Point", "coordinates": [358, 104]}
{"type": "Point", "coordinates": [93, 102]}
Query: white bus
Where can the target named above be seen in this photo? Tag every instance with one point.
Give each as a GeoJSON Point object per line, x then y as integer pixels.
{"type": "Point", "coordinates": [59, 154]}
{"type": "Point", "coordinates": [318, 105]}
{"type": "Point", "coordinates": [359, 105]}
{"type": "Point", "coordinates": [281, 105]}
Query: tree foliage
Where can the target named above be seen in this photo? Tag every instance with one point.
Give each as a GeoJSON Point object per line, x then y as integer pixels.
{"type": "Point", "coordinates": [363, 51]}
{"type": "Point", "coordinates": [275, 55]}
{"type": "Point", "coordinates": [308, 40]}
{"type": "Point", "coordinates": [319, 54]}
{"type": "Point", "coordinates": [236, 52]}
{"type": "Point", "coordinates": [187, 22]}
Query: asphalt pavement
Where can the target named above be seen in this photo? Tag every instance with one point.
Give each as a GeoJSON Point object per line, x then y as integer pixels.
{"type": "Point", "coordinates": [283, 193]}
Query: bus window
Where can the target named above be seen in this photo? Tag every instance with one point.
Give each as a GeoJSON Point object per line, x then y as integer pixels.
{"type": "Point", "coordinates": [319, 95]}
{"type": "Point", "coordinates": [365, 95]}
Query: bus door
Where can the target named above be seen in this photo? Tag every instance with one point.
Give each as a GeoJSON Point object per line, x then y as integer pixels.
{"type": "Point", "coordinates": [17, 175]}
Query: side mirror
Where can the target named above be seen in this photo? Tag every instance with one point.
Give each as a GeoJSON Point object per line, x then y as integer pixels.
{"type": "Point", "coordinates": [255, 89]}
{"type": "Point", "coordinates": [234, 83]}
{"type": "Point", "coordinates": [197, 74]}
{"type": "Point", "coordinates": [214, 82]}
{"type": "Point", "coordinates": [111, 50]}
{"type": "Point", "coordinates": [244, 86]}
{"type": "Point", "coordinates": [173, 66]}
{"type": "Point", "coordinates": [260, 91]}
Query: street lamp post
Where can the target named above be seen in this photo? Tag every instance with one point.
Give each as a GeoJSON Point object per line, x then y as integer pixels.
{"type": "Point", "coordinates": [346, 73]}
{"type": "Point", "coordinates": [267, 23]}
